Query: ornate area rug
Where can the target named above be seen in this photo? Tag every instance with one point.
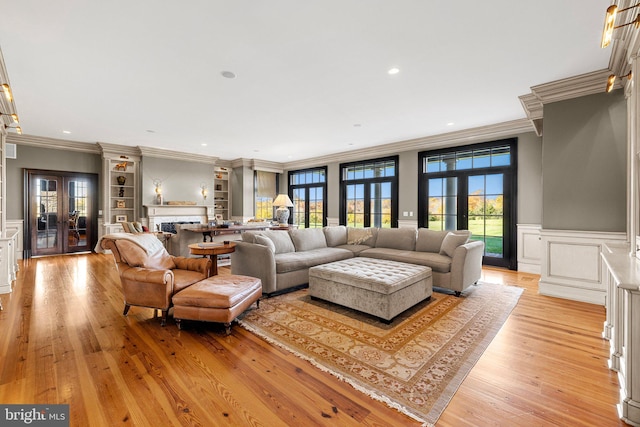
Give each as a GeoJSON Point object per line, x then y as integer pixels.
{"type": "Point", "coordinates": [415, 364]}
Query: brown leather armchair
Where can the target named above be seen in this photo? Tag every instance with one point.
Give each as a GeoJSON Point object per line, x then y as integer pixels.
{"type": "Point", "coordinates": [149, 275]}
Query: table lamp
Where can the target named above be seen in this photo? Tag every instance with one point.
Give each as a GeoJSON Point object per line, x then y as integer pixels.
{"type": "Point", "coordinates": [283, 203]}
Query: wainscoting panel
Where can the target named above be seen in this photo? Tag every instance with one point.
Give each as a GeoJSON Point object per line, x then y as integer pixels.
{"type": "Point", "coordinates": [529, 248]}
{"type": "Point", "coordinates": [571, 265]}
{"type": "Point", "coordinates": [17, 224]}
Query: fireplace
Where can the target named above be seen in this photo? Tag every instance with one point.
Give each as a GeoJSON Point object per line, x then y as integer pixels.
{"type": "Point", "coordinates": [165, 217]}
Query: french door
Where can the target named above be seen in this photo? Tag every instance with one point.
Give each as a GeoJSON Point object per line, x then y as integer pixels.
{"type": "Point", "coordinates": [473, 188]}
{"type": "Point", "coordinates": [61, 209]}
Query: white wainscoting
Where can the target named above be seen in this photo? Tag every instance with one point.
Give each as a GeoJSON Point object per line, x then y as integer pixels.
{"type": "Point", "coordinates": [17, 224]}
{"type": "Point", "coordinates": [529, 248]}
{"type": "Point", "coordinates": [571, 265]}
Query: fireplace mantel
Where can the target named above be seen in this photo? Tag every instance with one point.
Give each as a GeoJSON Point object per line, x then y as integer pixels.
{"type": "Point", "coordinates": [157, 214]}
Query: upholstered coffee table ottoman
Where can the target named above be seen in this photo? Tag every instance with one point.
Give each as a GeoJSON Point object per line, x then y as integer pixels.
{"type": "Point", "coordinates": [217, 299]}
{"type": "Point", "coordinates": [375, 286]}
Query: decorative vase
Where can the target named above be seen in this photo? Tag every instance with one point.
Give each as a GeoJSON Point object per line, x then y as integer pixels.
{"type": "Point", "coordinates": [121, 179]}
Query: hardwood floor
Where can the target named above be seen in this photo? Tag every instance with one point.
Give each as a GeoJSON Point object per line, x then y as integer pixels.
{"type": "Point", "coordinates": [63, 339]}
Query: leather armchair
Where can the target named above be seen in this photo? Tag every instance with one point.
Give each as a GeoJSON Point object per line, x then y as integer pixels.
{"type": "Point", "coordinates": [149, 275]}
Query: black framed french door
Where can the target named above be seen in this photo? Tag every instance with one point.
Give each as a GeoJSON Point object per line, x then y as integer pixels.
{"type": "Point", "coordinates": [61, 209]}
{"type": "Point", "coordinates": [473, 188]}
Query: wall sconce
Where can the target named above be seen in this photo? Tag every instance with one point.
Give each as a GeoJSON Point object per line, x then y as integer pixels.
{"type": "Point", "coordinates": [203, 191]}
{"type": "Point", "coordinates": [7, 92]}
{"type": "Point", "coordinates": [612, 79]}
{"type": "Point", "coordinates": [158, 190]}
{"type": "Point", "coordinates": [283, 203]}
{"type": "Point", "coordinates": [17, 128]}
{"type": "Point", "coordinates": [610, 20]}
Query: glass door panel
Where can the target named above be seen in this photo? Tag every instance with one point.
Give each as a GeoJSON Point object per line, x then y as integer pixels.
{"type": "Point", "coordinates": [380, 204]}
{"type": "Point", "coordinates": [485, 212]}
{"type": "Point", "coordinates": [299, 207]}
{"type": "Point", "coordinates": [316, 204]}
{"type": "Point", "coordinates": [443, 203]}
{"type": "Point", "coordinates": [46, 239]}
{"type": "Point", "coordinates": [355, 205]}
{"type": "Point", "coordinates": [78, 203]}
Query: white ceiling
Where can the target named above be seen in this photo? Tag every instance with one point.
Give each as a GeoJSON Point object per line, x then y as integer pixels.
{"type": "Point", "coordinates": [311, 75]}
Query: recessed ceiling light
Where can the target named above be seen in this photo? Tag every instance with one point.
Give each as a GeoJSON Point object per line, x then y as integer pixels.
{"type": "Point", "coordinates": [151, 131]}
{"type": "Point", "coordinates": [450, 124]}
{"type": "Point", "coordinates": [66, 131]}
{"type": "Point", "coordinates": [357, 125]}
{"type": "Point", "coordinates": [393, 70]}
{"type": "Point", "coordinates": [204, 144]}
{"type": "Point", "coordinates": [228, 74]}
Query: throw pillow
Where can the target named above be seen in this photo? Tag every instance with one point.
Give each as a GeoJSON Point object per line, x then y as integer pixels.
{"type": "Point", "coordinates": [137, 227]}
{"type": "Point", "coordinates": [265, 241]}
{"type": "Point", "coordinates": [361, 236]}
{"type": "Point", "coordinates": [126, 227]}
{"type": "Point", "coordinates": [451, 242]}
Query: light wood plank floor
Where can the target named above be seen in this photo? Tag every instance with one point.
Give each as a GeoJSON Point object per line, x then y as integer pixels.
{"type": "Point", "coordinates": [63, 339]}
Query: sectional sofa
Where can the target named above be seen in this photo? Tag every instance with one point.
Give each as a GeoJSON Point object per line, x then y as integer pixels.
{"type": "Point", "coordinates": [281, 259]}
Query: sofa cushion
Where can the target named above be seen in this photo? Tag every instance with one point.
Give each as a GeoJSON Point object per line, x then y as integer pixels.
{"type": "Point", "coordinates": [308, 239]}
{"type": "Point", "coordinates": [294, 261]}
{"type": "Point", "coordinates": [281, 240]}
{"type": "Point", "coordinates": [396, 238]}
{"type": "Point", "coordinates": [361, 236]}
{"type": "Point", "coordinates": [437, 262]}
{"type": "Point", "coordinates": [265, 241]}
{"type": "Point", "coordinates": [356, 249]}
{"type": "Point", "coordinates": [249, 236]}
{"type": "Point", "coordinates": [451, 242]}
{"type": "Point", "coordinates": [335, 235]}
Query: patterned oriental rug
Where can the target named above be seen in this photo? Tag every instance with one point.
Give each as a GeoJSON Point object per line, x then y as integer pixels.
{"type": "Point", "coordinates": [415, 364]}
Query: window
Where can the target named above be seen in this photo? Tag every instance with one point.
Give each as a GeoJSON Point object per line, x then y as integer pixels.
{"type": "Point", "coordinates": [308, 191]}
{"type": "Point", "coordinates": [266, 184]}
{"type": "Point", "coordinates": [369, 193]}
{"type": "Point", "coordinates": [474, 188]}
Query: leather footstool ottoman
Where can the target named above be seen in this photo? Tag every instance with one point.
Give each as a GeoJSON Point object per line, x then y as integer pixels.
{"type": "Point", "coordinates": [217, 299]}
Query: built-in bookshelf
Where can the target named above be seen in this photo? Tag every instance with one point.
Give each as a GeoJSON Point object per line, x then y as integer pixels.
{"type": "Point", "coordinates": [121, 189]}
{"type": "Point", "coordinates": [221, 193]}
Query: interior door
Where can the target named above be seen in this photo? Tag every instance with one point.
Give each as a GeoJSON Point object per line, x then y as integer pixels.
{"type": "Point", "coordinates": [60, 208]}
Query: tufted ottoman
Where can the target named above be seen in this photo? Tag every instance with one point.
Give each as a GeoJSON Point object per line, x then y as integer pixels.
{"type": "Point", "coordinates": [217, 299]}
{"type": "Point", "coordinates": [375, 286]}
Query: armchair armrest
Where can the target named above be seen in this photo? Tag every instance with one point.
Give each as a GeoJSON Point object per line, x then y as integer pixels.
{"type": "Point", "coordinates": [201, 265]}
{"type": "Point", "coordinates": [146, 287]}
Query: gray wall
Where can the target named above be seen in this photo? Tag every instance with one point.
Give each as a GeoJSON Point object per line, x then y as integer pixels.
{"type": "Point", "coordinates": [31, 157]}
{"type": "Point", "coordinates": [529, 179]}
{"type": "Point", "coordinates": [180, 180]}
{"type": "Point", "coordinates": [584, 164]}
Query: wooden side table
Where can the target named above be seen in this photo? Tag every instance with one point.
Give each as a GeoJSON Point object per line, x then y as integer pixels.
{"type": "Point", "coordinates": [212, 250]}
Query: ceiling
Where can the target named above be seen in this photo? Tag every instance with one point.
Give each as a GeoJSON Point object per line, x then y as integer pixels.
{"type": "Point", "coordinates": [311, 77]}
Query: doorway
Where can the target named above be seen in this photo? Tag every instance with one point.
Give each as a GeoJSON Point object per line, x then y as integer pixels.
{"type": "Point", "coordinates": [61, 209]}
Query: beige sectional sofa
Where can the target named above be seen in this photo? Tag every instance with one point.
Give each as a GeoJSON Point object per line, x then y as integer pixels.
{"type": "Point", "coordinates": [281, 259]}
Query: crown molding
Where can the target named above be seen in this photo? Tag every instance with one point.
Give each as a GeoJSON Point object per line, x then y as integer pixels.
{"type": "Point", "coordinates": [462, 137]}
{"type": "Point", "coordinates": [241, 163]}
{"type": "Point", "coordinates": [169, 154]}
{"type": "Point", "coordinates": [266, 166]}
{"type": "Point", "coordinates": [108, 149]}
{"type": "Point", "coordinates": [53, 143]}
{"type": "Point", "coordinates": [561, 90]}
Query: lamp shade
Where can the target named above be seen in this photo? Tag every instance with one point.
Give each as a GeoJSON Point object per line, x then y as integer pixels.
{"type": "Point", "coordinates": [282, 200]}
